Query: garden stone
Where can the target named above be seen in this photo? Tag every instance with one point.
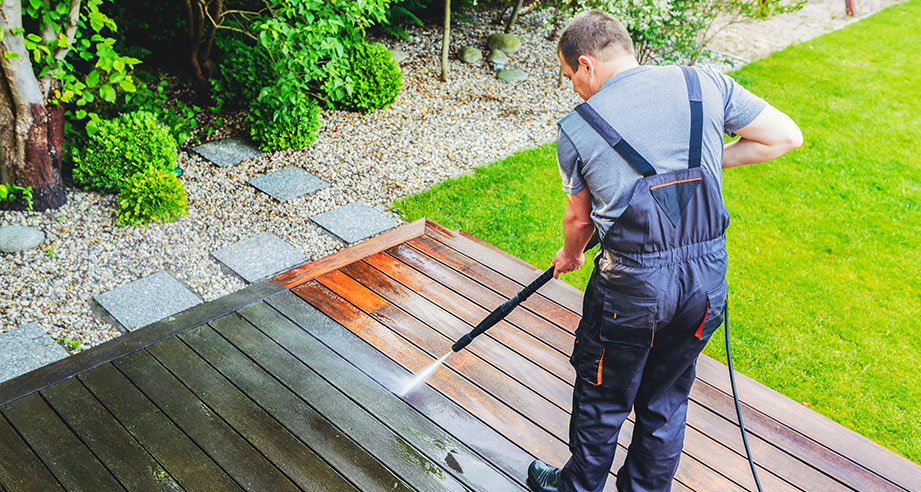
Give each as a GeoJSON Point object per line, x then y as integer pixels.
{"type": "Point", "coordinates": [25, 349]}
{"type": "Point", "coordinates": [259, 257]}
{"type": "Point", "coordinates": [16, 238]}
{"type": "Point", "coordinates": [512, 75]}
{"type": "Point", "coordinates": [144, 301]}
{"type": "Point", "coordinates": [289, 183]}
{"type": "Point", "coordinates": [228, 152]}
{"type": "Point", "coordinates": [398, 55]}
{"type": "Point", "coordinates": [497, 56]}
{"type": "Point", "coordinates": [509, 43]}
{"type": "Point", "coordinates": [355, 221]}
{"type": "Point", "coordinates": [469, 55]}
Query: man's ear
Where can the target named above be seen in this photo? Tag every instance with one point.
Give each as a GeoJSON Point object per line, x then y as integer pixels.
{"type": "Point", "coordinates": [588, 63]}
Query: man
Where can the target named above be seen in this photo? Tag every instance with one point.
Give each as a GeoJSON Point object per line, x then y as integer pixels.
{"type": "Point", "coordinates": [641, 162]}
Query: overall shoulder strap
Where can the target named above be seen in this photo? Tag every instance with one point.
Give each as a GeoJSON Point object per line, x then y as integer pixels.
{"type": "Point", "coordinates": [697, 116]}
{"type": "Point", "coordinates": [614, 139]}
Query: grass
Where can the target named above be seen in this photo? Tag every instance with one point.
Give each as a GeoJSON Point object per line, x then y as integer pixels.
{"type": "Point", "coordinates": [824, 242]}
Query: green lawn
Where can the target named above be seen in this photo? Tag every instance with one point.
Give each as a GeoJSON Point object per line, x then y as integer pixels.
{"type": "Point", "coordinates": [825, 243]}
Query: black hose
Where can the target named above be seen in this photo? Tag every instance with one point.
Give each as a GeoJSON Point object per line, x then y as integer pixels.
{"type": "Point", "coordinates": [735, 396]}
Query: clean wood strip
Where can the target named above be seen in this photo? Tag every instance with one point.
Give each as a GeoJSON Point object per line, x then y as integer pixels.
{"type": "Point", "coordinates": [348, 255]}
{"type": "Point", "coordinates": [442, 319]}
{"type": "Point", "coordinates": [184, 460]}
{"type": "Point", "coordinates": [552, 311]}
{"type": "Point", "coordinates": [20, 468]}
{"type": "Point", "coordinates": [235, 456]}
{"type": "Point", "coordinates": [71, 462]}
{"type": "Point", "coordinates": [83, 361]}
{"type": "Point", "coordinates": [840, 439]}
{"type": "Point", "coordinates": [555, 290]}
{"type": "Point", "coordinates": [292, 410]}
{"type": "Point", "coordinates": [500, 417]}
{"type": "Point", "coordinates": [332, 349]}
{"type": "Point", "coordinates": [285, 451]}
{"type": "Point", "coordinates": [109, 441]}
{"type": "Point", "coordinates": [473, 302]}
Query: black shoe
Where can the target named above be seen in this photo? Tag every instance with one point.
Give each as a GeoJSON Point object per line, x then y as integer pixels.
{"type": "Point", "coordinates": [543, 477]}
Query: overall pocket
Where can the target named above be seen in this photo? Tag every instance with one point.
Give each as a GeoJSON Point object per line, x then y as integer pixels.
{"type": "Point", "coordinates": [716, 300]}
{"type": "Point", "coordinates": [628, 320]}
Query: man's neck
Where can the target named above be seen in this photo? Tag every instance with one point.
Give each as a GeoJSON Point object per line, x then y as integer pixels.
{"type": "Point", "coordinates": [613, 67]}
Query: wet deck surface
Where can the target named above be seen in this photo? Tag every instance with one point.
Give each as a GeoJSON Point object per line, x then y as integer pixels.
{"type": "Point", "coordinates": [290, 384]}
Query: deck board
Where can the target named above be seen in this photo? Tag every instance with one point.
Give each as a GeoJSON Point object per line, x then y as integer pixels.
{"type": "Point", "coordinates": [292, 384]}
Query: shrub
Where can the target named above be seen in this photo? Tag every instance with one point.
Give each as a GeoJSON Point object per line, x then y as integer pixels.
{"type": "Point", "coordinates": [152, 195]}
{"type": "Point", "coordinates": [376, 79]}
{"type": "Point", "coordinates": [284, 125]}
{"type": "Point", "coordinates": [244, 71]}
{"type": "Point", "coordinates": [121, 147]}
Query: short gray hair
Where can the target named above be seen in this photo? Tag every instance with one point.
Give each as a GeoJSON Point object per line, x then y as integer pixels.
{"type": "Point", "coordinates": [594, 33]}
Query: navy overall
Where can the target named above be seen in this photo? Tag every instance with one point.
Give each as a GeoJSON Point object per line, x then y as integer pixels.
{"type": "Point", "coordinates": [655, 296]}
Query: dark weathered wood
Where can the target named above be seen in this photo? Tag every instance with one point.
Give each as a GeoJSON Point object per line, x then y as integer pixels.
{"type": "Point", "coordinates": [520, 336]}
{"type": "Point", "coordinates": [343, 257]}
{"type": "Point", "coordinates": [182, 458]}
{"type": "Point", "coordinates": [345, 349]}
{"type": "Point", "coordinates": [501, 284]}
{"type": "Point", "coordinates": [298, 462]}
{"type": "Point", "coordinates": [296, 403]}
{"type": "Point", "coordinates": [75, 364]}
{"type": "Point", "coordinates": [235, 456]}
{"type": "Point", "coordinates": [131, 464]}
{"type": "Point", "coordinates": [283, 343]}
{"type": "Point", "coordinates": [805, 449]}
{"type": "Point", "coordinates": [71, 462]}
{"type": "Point", "coordinates": [501, 367]}
{"type": "Point", "coordinates": [836, 437]}
{"type": "Point", "coordinates": [555, 290]}
{"type": "Point", "coordinates": [20, 468]}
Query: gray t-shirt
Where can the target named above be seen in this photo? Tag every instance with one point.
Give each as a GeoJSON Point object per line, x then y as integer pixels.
{"type": "Point", "coordinates": [648, 106]}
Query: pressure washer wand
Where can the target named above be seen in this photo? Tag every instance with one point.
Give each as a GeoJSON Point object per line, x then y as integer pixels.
{"type": "Point", "coordinates": [502, 311]}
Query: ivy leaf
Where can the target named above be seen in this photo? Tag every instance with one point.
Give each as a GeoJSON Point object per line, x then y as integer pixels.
{"type": "Point", "coordinates": [10, 54]}
{"type": "Point", "coordinates": [107, 93]}
{"type": "Point", "coordinates": [92, 79]}
{"type": "Point", "coordinates": [118, 65]}
{"type": "Point", "coordinates": [81, 113]}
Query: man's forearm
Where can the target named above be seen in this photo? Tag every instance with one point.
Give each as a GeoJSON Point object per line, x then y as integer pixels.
{"type": "Point", "coordinates": [576, 233]}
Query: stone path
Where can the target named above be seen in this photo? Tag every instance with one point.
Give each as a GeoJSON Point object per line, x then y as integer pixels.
{"type": "Point", "coordinates": [355, 221]}
{"type": "Point", "coordinates": [259, 257]}
{"type": "Point", "coordinates": [145, 301]}
{"type": "Point", "coordinates": [228, 152]}
{"type": "Point", "coordinates": [287, 184]}
{"type": "Point", "coordinates": [26, 348]}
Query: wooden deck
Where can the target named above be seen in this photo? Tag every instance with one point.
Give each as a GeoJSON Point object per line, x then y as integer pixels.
{"type": "Point", "coordinates": [289, 385]}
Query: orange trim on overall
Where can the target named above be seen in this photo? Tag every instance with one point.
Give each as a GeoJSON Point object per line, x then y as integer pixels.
{"type": "Point", "coordinates": [674, 182]}
{"type": "Point", "coordinates": [600, 365]}
{"type": "Point", "coordinates": [700, 328]}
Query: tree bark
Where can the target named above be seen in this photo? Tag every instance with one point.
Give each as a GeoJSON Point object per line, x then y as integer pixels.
{"type": "Point", "coordinates": [514, 17]}
{"type": "Point", "coordinates": [32, 155]}
{"type": "Point", "coordinates": [445, 42]}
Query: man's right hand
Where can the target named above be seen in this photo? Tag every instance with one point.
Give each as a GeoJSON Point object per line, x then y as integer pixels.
{"type": "Point", "coordinates": [564, 264]}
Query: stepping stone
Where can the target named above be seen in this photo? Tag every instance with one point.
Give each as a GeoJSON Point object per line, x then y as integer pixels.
{"type": "Point", "coordinates": [512, 75]}
{"type": "Point", "coordinates": [259, 257]}
{"type": "Point", "coordinates": [285, 184]}
{"type": "Point", "coordinates": [27, 348]}
{"type": "Point", "coordinates": [145, 301]}
{"type": "Point", "coordinates": [228, 152]}
{"type": "Point", "coordinates": [16, 238]}
{"type": "Point", "coordinates": [355, 221]}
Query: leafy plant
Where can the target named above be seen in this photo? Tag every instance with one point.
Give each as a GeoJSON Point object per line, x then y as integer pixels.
{"type": "Point", "coordinates": [244, 70]}
{"type": "Point", "coordinates": [377, 79]}
{"type": "Point", "coordinates": [122, 147]}
{"type": "Point", "coordinates": [178, 116]}
{"type": "Point", "coordinates": [153, 195]}
{"type": "Point", "coordinates": [11, 193]}
{"type": "Point", "coordinates": [280, 125]}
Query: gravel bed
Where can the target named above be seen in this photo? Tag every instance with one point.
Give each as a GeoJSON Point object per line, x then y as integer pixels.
{"type": "Point", "coordinates": [434, 131]}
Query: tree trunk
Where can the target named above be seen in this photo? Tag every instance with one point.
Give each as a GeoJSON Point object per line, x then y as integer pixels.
{"type": "Point", "coordinates": [514, 17]}
{"type": "Point", "coordinates": [33, 131]}
{"type": "Point", "coordinates": [445, 42]}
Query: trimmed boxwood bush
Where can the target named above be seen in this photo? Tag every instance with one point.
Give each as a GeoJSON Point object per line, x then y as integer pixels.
{"type": "Point", "coordinates": [279, 126]}
{"type": "Point", "coordinates": [122, 147]}
{"type": "Point", "coordinates": [377, 79]}
{"type": "Point", "coordinates": [153, 195]}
